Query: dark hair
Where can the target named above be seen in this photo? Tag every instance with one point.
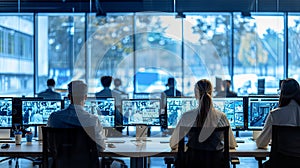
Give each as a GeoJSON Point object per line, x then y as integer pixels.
{"type": "Point", "coordinates": [204, 89]}
{"type": "Point", "coordinates": [171, 82]}
{"type": "Point", "coordinates": [106, 81]}
{"type": "Point", "coordinates": [50, 82]}
{"type": "Point", "coordinates": [290, 90]}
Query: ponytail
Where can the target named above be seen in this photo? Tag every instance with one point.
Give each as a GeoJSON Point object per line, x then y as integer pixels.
{"type": "Point", "coordinates": [205, 101]}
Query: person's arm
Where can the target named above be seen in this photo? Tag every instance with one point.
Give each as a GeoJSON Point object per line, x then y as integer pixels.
{"type": "Point", "coordinates": [232, 142]}
{"type": "Point", "coordinates": [174, 140]}
{"type": "Point", "coordinates": [100, 135]}
{"type": "Point", "coordinates": [264, 138]}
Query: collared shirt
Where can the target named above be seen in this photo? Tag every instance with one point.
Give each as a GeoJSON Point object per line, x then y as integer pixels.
{"type": "Point", "coordinates": [76, 116]}
{"type": "Point", "coordinates": [214, 119]}
{"type": "Point", "coordinates": [49, 94]}
{"type": "Point", "coordinates": [288, 115]}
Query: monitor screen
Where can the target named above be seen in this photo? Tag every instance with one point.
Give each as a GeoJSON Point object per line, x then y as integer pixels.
{"type": "Point", "coordinates": [258, 110]}
{"type": "Point", "coordinates": [233, 107]}
{"type": "Point", "coordinates": [37, 112]}
{"type": "Point", "coordinates": [5, 112]}
{"type": "Point", "coordinates": [176, 106]}
{"type": "Point", "coordinates": [141, 111]}
{"type": "Point", "coordinates": [104, 108]}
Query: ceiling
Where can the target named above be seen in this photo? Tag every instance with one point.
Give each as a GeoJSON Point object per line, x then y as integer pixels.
{"type": "Point", "coordinates": [150, 5]}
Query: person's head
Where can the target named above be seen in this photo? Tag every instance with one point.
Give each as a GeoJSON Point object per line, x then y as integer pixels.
{"type": "Point", "coordinates": [290, 89]}
{"type": "Point", "coordinates": [203, 93]}
{"type": "Point", "coordinates": [51, 83]}
{"type": "Point", "coordinates": [171, 82]}
{"type": "Point", "coordinates": [106, 81]}
{"type": "Point", "coordinates": [117, 82]}
{"type": "Point", "coordinates": [226, 84]}
{"type": "Point", "coordinates": [77, 92]}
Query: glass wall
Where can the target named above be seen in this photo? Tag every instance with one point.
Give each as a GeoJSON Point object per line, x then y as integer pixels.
{"type": "Point", "coordinates": [60, 42]}
{"type": "Point", "coordinates": [145, 49]}
{"type": "Point", "coordinates": [258, 53]}
{"type": "Point", "coordinates": [16, 55]}
{"type": "Point", "coordinates": [294, 46]}
{"type": "Point", "coordinates": [207, 48]}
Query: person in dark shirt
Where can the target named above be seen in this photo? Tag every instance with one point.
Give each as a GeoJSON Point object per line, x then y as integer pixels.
{"type": "Point", "coordinates": [50, 93]}
{"type": "Point", "coordinates": [226, 92]}
{"type": "Point", "coordinates": [107, 92]}
{"type": "Point", "coordinates": [172, 91]}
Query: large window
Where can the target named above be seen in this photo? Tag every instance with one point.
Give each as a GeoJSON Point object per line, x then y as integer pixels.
{"type": "Point", "coordinates": [16, 55]}
{"type": "Point", "coordinates": [294, 46]}
{"type": "Point", "coordinates": [258, 53]}
{"type": "Point", "coordinates": [207, 48]}
{"type": "Point", "coordinates": [60, 41]}
{"type": "Point", "coordinates": [145, 49]}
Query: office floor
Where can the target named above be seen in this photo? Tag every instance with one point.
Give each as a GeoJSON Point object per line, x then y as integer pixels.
{"type": "Point", "coordinates": [154, 163]}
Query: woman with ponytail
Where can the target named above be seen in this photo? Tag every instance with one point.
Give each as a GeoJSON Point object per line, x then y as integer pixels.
{"type": "Point", "coordinates": [205, 116]}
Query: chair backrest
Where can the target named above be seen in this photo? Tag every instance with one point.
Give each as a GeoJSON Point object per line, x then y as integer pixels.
{"type": "Point", "coordinates": [285, 146]}
{"type": "Point", "coordinates": [69, 147]}
{"type": "Point", "coordinates": [204, 154]}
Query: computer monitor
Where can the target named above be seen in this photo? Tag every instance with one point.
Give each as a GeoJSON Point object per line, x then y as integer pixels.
{"type": "Point", "coordinates": [37, 111]}
{"type": "Point", "coordinates": [104, 108]}
{"type": "Point", "coordinates": [234, 108]}
{"type": "Point", "coordinates": [258, 110]}
{"type": "Point", "coordinates": [176, 106]}
{"type": "Point", "coordinates": [141, 111]}
{"type": "Point", "coordinates": [5, 112]}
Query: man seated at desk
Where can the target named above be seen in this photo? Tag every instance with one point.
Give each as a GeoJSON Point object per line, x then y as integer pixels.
{"type": "Point", "coordinates": [75, 115]}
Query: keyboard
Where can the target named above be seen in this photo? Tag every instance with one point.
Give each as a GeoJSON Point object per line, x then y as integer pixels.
{"type": "Point", "coordinates": [115, 141]}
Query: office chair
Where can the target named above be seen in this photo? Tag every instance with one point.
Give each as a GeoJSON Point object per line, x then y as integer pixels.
{"type": "Point", "coordinates": [203, 157]}
{"type": "Point", "coordinates": [69, 147]}
{"type": "Point", "coordinates": [285, 148]}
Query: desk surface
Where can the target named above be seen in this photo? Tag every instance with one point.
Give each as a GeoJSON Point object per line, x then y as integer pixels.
{"type": "Point", "coordinates": [132, 148]}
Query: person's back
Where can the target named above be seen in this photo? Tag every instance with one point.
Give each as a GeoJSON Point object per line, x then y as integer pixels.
{"type": "Point", "coordinates": [75, 115]}
{"type": "Point", "coordinates": [288, 112]}
{"type": "Point", "coordinates": [49, 93]}
{"type": "Point", "coordinates": [209, 117]}
{"type": "Point", "coordinates": [172, 91]}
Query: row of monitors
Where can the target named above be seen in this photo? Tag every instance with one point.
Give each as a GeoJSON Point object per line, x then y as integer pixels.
{"type": "Point", "coordinates": [242, 112]}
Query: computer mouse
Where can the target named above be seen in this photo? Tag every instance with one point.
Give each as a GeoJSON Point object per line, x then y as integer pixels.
{"type": "Point", "coordinates": [5, 146]}
{"type": "Point", "coordinates": [110, 145]}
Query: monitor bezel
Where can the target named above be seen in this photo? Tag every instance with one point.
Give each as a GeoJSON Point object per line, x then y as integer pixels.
{"type": "Point", "coordinates": [166, 107]}
{"type": "Point", "coordinates": [245, 110]}
{"type": "Point", "coordinates": [34, 100]}
{"type": "Point", "coordinates": [248, 109]}
{"type": "Point", "coordinates": [135, 124]}
{"type": "Point", "coordinates": [11, 126]}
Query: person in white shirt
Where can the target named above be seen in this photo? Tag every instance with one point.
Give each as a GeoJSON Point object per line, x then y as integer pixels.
{"type": "Point", "coordinates": [203, 116]}
{"type": "Point", "coordinates": [287, 113]}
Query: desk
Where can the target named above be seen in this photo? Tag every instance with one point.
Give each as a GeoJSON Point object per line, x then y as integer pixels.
{"type": "Point", "coordinates": [137, 151]}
